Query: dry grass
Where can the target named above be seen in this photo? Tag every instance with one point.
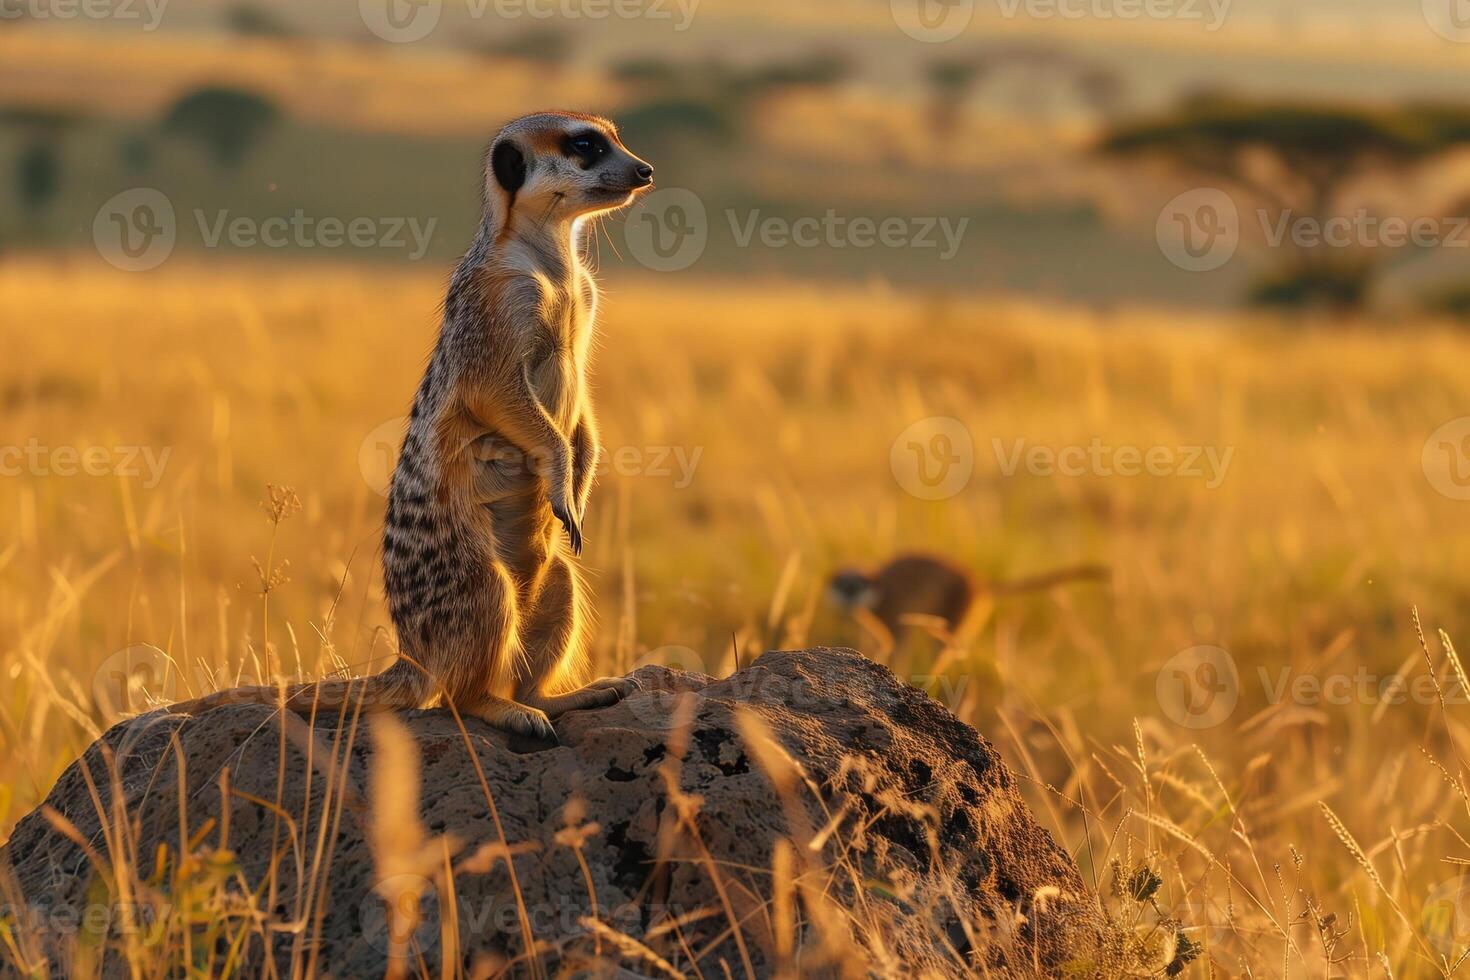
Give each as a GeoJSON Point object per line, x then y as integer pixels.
{"type": "Point", "coordinates": [1308, 557]}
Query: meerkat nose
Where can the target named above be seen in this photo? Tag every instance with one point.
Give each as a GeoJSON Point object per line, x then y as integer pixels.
{"type": "Point", "coordinates": [644, 173]}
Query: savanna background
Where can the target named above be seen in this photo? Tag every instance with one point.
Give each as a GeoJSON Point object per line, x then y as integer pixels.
{"type": "Point", "coordinates": [1250, 708]}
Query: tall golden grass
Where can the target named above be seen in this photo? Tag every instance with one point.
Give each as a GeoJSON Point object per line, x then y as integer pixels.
{"type": "Point", "coordinates": [1299, 836]}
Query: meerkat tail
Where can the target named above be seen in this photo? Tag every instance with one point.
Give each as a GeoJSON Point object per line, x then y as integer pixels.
{"type": "Point", "coordinates": [1061, 576]}
{"type": "Point", "coordinates": [401, 686]}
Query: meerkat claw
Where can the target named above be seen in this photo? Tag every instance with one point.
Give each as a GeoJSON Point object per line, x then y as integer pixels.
{"type": "Point", "coordinates": [535, 724]}
{"type": "Point", "coordinates": [574, 532]}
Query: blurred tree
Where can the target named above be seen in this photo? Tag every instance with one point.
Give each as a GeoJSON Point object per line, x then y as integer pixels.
{"type": "Point", "coordinates": [548, 47]}
{"type": "Point", "coordinates": [38, 161]}
{"type": "Point", "coordinates": [225, 121]}
{"type": "Point", "coordinates": [715, 101]}
{"type": "Point", "coordinates": [814, 71]}
{"type": "Point", "coordinates": [136, 153]}
{"type": "Point", "coordinates": [950, 81]}
{"type": "Point", "coordinates": [1103, 90]}
{"type": "Point", "coordinates": [673, 127]}
{"type": "Point", "coordinates": [1296, 163]}
{"type": "Point", "coordinates": [253, 20]}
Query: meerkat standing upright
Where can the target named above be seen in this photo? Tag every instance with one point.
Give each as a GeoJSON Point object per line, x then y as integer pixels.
{"type": "Point", "coordinates": [490, 611]}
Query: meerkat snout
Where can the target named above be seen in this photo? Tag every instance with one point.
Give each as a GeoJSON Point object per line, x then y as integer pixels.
{"type": "Point", "coordinates": [849, 590]}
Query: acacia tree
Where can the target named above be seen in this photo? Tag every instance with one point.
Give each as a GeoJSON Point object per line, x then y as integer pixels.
{"type": "Point", "coordinates": [1295, 162]}
{"type": "Point", "coordinates": [226, 121]}
{"type": "Point", "coordinates": [38, 159]}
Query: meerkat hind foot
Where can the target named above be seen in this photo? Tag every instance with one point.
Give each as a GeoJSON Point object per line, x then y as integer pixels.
{"type": "Point", "coordinates": [517, 719]}
{"type": "Point", "coordinates": [601, 693]}
{"type": "Point", "coordinates": [624, 686]}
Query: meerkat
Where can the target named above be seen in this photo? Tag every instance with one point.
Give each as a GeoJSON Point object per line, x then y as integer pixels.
{"type": "Point", "coordinates": [926, 585]}
{"type": "Point", "coordinates": [501, 448]}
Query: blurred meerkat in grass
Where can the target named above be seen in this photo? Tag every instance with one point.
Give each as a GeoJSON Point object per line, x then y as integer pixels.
{"type": "Point", "coordinates": [489, 493]}
{"type": "Point", "coordinates": [917, 589]}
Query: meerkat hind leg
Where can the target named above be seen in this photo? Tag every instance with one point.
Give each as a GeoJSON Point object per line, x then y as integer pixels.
{"type": "Point", "coordinates": [556, 633]}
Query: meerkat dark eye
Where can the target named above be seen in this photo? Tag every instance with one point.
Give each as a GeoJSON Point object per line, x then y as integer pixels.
{"type": "Point", "coordinates": [586, 147]}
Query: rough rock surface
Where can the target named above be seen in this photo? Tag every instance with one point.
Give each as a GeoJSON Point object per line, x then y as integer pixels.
{"type": "Point", "coordinates": [923, 837]}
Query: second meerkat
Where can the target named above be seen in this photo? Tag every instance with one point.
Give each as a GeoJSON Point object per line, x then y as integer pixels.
{"type": "Point", "coordinates": [490, 610]}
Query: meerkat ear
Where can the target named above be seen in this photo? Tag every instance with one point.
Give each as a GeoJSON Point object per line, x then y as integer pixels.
{"type": "Point", "coordinates": [509, 165]}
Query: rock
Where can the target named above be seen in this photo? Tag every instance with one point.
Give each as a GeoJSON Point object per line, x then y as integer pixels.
{"type": "Point", "coordinates": [925, 859]}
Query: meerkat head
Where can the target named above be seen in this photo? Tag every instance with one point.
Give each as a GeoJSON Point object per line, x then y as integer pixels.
{"type": "Point", "coordinates": [850, 590]}
{"type": "Point", "coordinates": [562, 165]}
